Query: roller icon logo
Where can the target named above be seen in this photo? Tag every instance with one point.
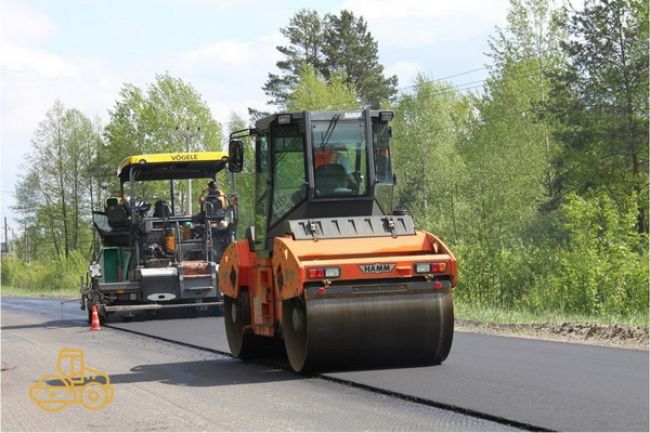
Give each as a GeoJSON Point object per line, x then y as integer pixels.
{"type": "Point", "coordinates": [73, 383]}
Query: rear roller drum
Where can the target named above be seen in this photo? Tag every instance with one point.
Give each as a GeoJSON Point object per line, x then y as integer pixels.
{"type": "Point", "coordinates": [243, 343]}
{"type": "Point", "coordinates": [236, 315]}
{"type": "Point", "coordinates": [294, 331]}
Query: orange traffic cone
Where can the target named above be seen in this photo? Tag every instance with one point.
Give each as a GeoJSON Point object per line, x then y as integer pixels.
{"type": "Point", "coordinates": [94, 322]}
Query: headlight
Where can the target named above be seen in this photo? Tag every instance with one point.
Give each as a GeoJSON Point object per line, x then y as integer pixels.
{"type": "Point", "coordinates": [95, 270]}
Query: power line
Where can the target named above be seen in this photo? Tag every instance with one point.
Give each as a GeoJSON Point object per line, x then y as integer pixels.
{"type": "Point", "coordinates": [457, 87]}
{"type": "Point", "coordinates": [460, 74]}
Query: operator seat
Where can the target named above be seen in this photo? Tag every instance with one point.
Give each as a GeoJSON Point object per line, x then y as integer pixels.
{"type": "Point", "coordinates": [161, 209]}
{"type": "Point", "coordinates": [116, 214]}
{"type": "Point", "coordinates": [331, 179]}
{"type": "Point", "coordinates": [213, 207]}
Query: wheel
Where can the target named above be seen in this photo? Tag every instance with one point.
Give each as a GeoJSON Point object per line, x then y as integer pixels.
{"type": "Point", "coordinates": [236, 317]}
{"type": "Point", "coordinates": [294, 330]}
{"type": "Point", "coordinates": [95, 396]}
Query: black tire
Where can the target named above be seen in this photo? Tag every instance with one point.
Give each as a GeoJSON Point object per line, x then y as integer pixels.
{"type": "Point", "coordinates": [236, 316]}
{"type": "Point", "coordinates": [294, 331]}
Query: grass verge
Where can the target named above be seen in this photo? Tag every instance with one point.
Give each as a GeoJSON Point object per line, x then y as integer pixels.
{"type": "Point", "coordinates": [494, 315]}
{"type": "Point", "coordinates": [35, 293]}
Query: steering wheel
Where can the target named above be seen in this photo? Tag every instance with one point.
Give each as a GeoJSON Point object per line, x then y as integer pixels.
{"type": "Point", "coordinates": [358, 178]}
{"type": "Point", "coordinates": [142, 206]}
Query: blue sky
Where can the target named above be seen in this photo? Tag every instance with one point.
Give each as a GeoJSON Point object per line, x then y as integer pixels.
{"type": "Point", "coordinates": [82, 52]}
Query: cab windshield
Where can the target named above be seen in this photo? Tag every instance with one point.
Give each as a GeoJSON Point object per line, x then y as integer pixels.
{"type": "Point", "coordinates": [340, 159]}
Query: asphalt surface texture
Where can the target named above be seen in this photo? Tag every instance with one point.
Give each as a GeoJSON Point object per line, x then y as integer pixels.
{"type": "Point", "coordinates": [530, 384]}
{"type": "Point", "coordinates": [163, 386]}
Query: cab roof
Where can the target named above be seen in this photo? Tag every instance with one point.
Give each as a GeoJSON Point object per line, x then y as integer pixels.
{"type": "Point", "coordinates": [178, 165]}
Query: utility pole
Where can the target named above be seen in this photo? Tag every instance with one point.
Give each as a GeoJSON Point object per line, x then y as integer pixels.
{"type": "Point", "coordinates": [188, 135]}
{"type": "Point", "coordinates": [26, 246]}
{"type": "Point", "coordinates": [13, 243]}
{"type": "Point", "coordinates": [6, 238]}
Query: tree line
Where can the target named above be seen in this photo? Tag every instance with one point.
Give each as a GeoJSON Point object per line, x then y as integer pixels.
{"type": "Point", "coordinates": [539, 182]}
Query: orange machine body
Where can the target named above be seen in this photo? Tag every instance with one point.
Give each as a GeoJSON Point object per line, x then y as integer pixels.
{"type": "Point", "coordinates": [285, 275]}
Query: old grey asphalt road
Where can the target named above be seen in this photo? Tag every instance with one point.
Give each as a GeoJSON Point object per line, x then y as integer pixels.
{"type": "Point", "coordinates": [163, 386]}
{"type": "Point", "coordinates": [551, 385]}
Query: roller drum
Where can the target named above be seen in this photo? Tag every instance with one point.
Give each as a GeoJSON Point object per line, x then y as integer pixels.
{"type": "Point", "coordinates": [368, 331]}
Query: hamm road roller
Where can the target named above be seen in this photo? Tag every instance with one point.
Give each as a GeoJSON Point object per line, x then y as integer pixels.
{"type": "Point", "coordinates": [329, 266]}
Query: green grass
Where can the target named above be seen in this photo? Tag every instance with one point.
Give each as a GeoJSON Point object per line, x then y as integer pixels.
{"type": "Point", "coordinates": [34, 293]}
{"type": "Point", "coordinates": [502, 316]}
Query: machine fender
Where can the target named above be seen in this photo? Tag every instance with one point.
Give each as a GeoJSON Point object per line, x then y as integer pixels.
{"type": "Point", "coordinates": [438, 247]}
{"type": "Point", "coordinates": [234, 268]}
{"type": "Point", "coordinates": [288, 272]}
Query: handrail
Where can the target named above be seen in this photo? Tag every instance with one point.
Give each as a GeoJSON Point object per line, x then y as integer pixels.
{"type": "Point", "coordinates": [179, 241]}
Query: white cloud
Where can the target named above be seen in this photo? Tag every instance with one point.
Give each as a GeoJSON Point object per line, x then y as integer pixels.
{"type": "Point", "coordinates": [20, 59]}
{"type": "Point", "coordinates": [419, 22]}
{"type": "Point", "coordinates": [406, 71]}
{"type": "Point", "coordinates": [228, 74]}
{"type": "Point", "coordinates": [232, 53]}
{"type": "Point", "coordinates": [22, 25]}
{"type": "Point", "coordinates": [219, 4]}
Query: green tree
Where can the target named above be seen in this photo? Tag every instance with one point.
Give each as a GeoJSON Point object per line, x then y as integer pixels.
{"type": "Point", "coordinates": [313, 92]}
{"type": "Point", "coordinates": [348, 45]}
{"type": "Point", "coordinates": [330, 44]}
{"type": "Point", "coordinates": [429, 126]}
{"type": "Point", "coordinates": [53, 195]}
{"type": "Point", "coordinates": [152, 122]}
{"type": "Point", "coordinates": [508, 155]}
{"type": "Point", "coordinates": [601, 101]}
{"type": "Point", "coordinates": [305, 36]}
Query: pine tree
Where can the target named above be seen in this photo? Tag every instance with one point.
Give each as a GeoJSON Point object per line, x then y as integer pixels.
{"type": "Point", "coordinates": [305, 35]}
{"type": "Point", "coordinates": [348, 45]}
{"type": "Point", "coordinates": [601, 101]}
{"type": "Point", "coordinates": [330, 45]}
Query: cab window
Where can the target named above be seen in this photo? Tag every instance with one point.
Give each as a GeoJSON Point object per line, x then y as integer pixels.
{"type": "Point", "coordinates": [340, 158]}
{"type": "Point", "coordinates": [381, 147]}
{"type": "Point", "coordinates": [289, 178]}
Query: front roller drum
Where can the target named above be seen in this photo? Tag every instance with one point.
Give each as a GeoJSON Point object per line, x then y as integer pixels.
{"type": "Point", "coordinates": [368, 331]}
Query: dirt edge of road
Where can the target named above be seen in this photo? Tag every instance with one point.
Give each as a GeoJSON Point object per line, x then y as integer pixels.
{"type": "Point", "coordinates": [629, 337]}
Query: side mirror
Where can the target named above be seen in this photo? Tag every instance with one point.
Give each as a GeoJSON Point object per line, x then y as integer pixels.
{"type": "Point", "coordinates": [235, 156]}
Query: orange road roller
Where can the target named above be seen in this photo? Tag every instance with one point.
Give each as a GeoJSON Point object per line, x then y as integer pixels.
{"type": "Point", "coordinates": [329, 266]}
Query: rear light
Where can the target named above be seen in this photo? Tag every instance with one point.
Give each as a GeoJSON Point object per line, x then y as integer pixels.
{"type": "Point", "coordinates": [431, 268]}
{"type": "Point", "coordinates": [316, 273]}
{"type": "Point", "coordinates": [437, 268]}
{"type": "Point", "coordinates": [322, 273]}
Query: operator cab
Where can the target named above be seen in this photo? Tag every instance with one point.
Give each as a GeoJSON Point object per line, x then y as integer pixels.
{"type": "Point", "coordinates": [320, 164]}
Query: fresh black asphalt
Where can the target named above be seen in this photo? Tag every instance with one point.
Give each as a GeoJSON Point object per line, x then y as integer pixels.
{"type": "Point", "coordinates": [550, 385]}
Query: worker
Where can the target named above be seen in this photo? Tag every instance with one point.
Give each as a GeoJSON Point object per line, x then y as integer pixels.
{"type": "Point", "coordinates": [212, 194]}
{"type": "Point", "coordinates": [121, 201]}
{"type": "Point", "coordinates": [331, 156]}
